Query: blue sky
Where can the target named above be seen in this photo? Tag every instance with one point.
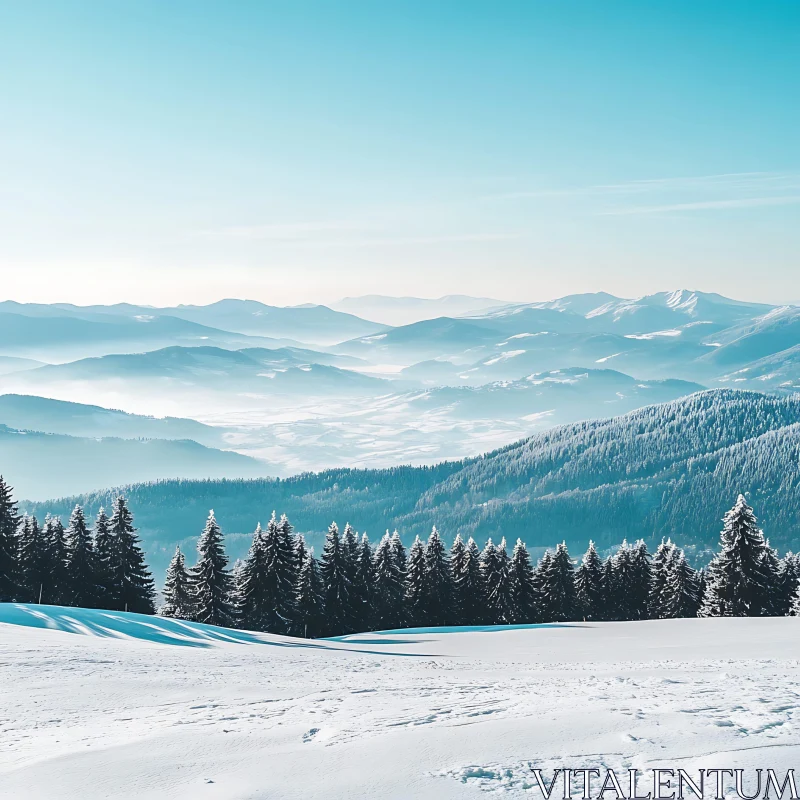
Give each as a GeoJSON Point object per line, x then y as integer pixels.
{"type": "Point", "coordinates": [291, 151]}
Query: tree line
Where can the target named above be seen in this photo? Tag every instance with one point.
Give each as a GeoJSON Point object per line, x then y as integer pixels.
{"type": "Point", "coordinates": [282, 587]}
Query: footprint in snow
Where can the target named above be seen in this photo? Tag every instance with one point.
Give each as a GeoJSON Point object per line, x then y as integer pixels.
{"type": "Point", "coordinates": [310, 734]}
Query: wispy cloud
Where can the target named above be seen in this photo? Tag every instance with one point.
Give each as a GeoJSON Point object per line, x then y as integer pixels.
{"type": "Point", "coordinates": [707, 205]}
{"type": "Point", "coordinates": [759, 182]}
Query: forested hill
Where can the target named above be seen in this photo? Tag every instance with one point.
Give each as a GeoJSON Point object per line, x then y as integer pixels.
{"type": "Point", "coordinates": [665, 470]}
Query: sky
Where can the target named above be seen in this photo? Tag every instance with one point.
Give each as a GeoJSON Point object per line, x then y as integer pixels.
{"type": "Point", "coordinates": [297, 151]}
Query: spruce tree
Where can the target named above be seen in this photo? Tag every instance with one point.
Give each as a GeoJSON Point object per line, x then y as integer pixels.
{"type": "Point", "coordinates": [389, 587]}
{"type": "Point", "coordinates": [787, 583]}
{"type": "Point", "coordinates": [523, 586]}
{"type": "Point", "coordinates": [416, 591]}
{"type": "Point", "coordinates": [10, 579]}
{"type": "Point", "coordinates": [737, 582]}
{"type": "Point", "coordinates": [363, 584]}
{"type": "Point", "coordinates": [252, 582]}
{"type": "Point", "coordinates": [560, 586]}
{"type": "Point", "coordinates": [33, 560]}
{"type": "Point", "coordinates": [641, 582]}
{"type": "Point", "coordinates": [335, 573]}
{"type": "Point", "coordinates": [589, 584]}
{"type": "Point", "coordinates": [105, 559]}
{"type": "Point", "coordinates": [681, 597]}
{"type": "Point", "coordinates": [472, 587]}
{"type": "Point", "coordinates": [491, 578]}
{"type": "Point", "coordinates": [499, 599]}
{"type": "Point", "coordinates": [660, 561]}
{"type": "Point", "coordinates": [398, 553]}
{"type": "Point", "coordinates": [274, 608]}
{"type": "Point", "coordinates": [609, 609]}
{"type": "Point", "coordinates": [541, 577]}
{"type": "Point", "coordinates": [211, 580]}
{"type": "Point", "coordinates": [311, 617]}
{"type": "Point", "coordinates": [439, 582]}
{"type": "Point", "coordinates": [82, 589]}
{"type": "Point", "coordinates": [773, 601]}
{"type": "Point", "coordinates": [458, 568]}
{"type": "Point", "coordinates": [179, 597]}
{"type": "Point", "coordinates": [131, 582]}
{"type": "Point", "coordinates": [623, 600]}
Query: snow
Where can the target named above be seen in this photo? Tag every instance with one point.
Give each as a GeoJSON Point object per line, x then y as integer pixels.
{"type": "Point", "coordinates": [654, 334]}
{"type": "Point", "coordinates": [143, 707]}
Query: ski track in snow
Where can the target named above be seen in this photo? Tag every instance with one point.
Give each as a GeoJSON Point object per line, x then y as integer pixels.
{"type": "Point", "coordinates": [398, 714]}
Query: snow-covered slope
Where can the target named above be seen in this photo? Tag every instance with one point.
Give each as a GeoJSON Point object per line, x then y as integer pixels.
{"type": "Point", "coordinates": [142, 707]}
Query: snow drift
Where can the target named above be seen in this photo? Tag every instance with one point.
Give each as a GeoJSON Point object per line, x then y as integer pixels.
{"type": "Point", "coordinates": [146, 707]}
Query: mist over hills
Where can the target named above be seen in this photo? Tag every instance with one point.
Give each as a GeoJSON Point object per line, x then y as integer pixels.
{"type": "Point", "coordinates": [665, 470]}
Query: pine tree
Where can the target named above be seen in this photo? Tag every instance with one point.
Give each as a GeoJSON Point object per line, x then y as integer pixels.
{"type": "Point", "coordinates": [788, 582]}
{"type": "Point", "coordinates": [33, 560]}
{"type": "Point", "coordinates": [589, 584]}
{"type": "Point", "coordinates": [471, 586]}
{"type": "Point", "coordinates": [10, 579]}
{"type": "Point", "coordinates": [660, 561]}
{"type": "Point", "coordinates": [389, 587]}
{"type": "Point", "coordinates": [398, 553]}
{"type": "Point", "coordinates": [499, 600]}
{"type": "Point", "coordinates": [310, 600]}
{"type": "Point", "coordinates": [82, 589]}
{"type": "Point", "coordinates": [608, 609]}
{"type": "Point", "coordinates": [53, 585]}
{"type": "Point", "coordinates": [523, 586]}
{"type": "Point", "coordinates": [773, 602]}
{"type": "Point", "coordinates": [105, 559]}
{"type": "Point", "coordinates": [439, 582]}
{"type": "Point", "coordinates": [271, 592]}
{"type": "Point", "coordinates": [737, 582]}
{"type": "Point", "coordinates": [624, 572]}
{"type": "Point", "coordinates": [335, 573]}
{"type": "Point", "coordinates": [794, 610]}
{"type": "Point", "coordinates": [131, 583]}
{"type": "Point", "coordinates": [416, 591]}
{"type": "Point", "coordinates": [641, 582]}
{"type": "Point", "coordinates": [363, 584]}
{"type": "Point", "coordinates": [681, 597]}
{"type": "Point", "coordinates": [491, 578]}
{"type": "Point", "coordinates": [559, 581]}
{"type": "Point", "coordinates": [211, 580]}
{"type": "Point", "coordinates": [544, 604]}
{"type": "Point", "coordinates": [179, 597]}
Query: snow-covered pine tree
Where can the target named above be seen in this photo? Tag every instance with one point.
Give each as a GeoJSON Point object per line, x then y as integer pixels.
{"type": "Point", "coordinates": [473, 588]}
{"type": "Point", "coordinates": [499, 599]}
{"type": "Point", "coordinates": [788, 582]}
{"type": "Point", "coordinates": [458, 564]}
{"type": "Point", "coordinates": [335, 573]}
{"type": "Point", "coordinates": [105, 559]}
{"type": "Point", "coordinates": [774, 603]}
{"type": "Point", "coordinates": [439, 601]}
{"type": "Point", "coordinates": [10, 579]}
{"type": "Point", "coordinates": [490, 578]}
{"type": "Point", "coordinates": [398, 553]}
{"type": "Point", "coordinates": [252, 583]}
{"type": "Point", "coordinates": [642, 581]}
{"type": "Point", "coordinates": [660, 560]}
{"type": "Point", "coordinates": [680, 596]}
{"type": "Point", "coordinates": [310, 599]}
{"type": "Point", "coordinates": [179, 597]}
{"type": "Point", "coordinates": [300, 552]}
{"type": "Point", "coordinates": [59, 581]}
{"type": "Point", "coordinates": [541, 577]}
{"type": "Point", "coordinates": [737, 583]}
{"type": "Point", "coordinates": [794, 609]}
{"type": "Point", "coordinates": [389, 587]}
{"type": "Point", "coordinates": [211, 580]}
{"type": "Point", "coordinates": [523, 586]}
{"type": "Point", "coordinates": [416, 585]}
{"type": "Point", "coordinates": [560, 586]}
{"type": "Point", "coordinates": [608, 609]}
{"type": "Point", "coordinates": [363, 584]}
{"type": "Point", "coordinates": [623, 600]}
{"type": "Point", "coordinates": [33, 560]}
{"type": "Point", "coordinates": [270, 582]}
{"type": "Point", "coordinates": [82, 589]}
{"type": "Point", "coordinates": [131, 582]}
{"type": "Point", "coordinates": [589, 584]}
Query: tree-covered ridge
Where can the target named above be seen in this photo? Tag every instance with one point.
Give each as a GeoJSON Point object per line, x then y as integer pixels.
{"type": "Point", "coordinates": [661, 471]}
{"type": "Point", "coordinates": [282, 588]}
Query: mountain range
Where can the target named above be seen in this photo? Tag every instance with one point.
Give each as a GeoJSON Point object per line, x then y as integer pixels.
{"type": "Point", "coordinates": [311, 387]}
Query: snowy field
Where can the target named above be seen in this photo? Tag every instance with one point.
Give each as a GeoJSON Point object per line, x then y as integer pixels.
{"type": "Point", "coordinates": [98, 704]}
